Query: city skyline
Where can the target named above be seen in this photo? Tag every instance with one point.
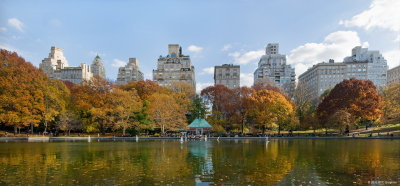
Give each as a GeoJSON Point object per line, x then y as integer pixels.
{"type": "Point", "coordinates": [232, 38]}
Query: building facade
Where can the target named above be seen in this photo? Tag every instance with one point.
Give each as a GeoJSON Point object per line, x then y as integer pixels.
{"type": "Point", "coordinates": [174, 67]}
{"type": "Point", "coordinates": [97, 67]}
{"type": "Point", "coordinates": [272, 66]}
{"type": "Point", "coordinates": [227, 75]}
{"type": "Point", "coordinates": [56, 67]}
{"type": "Point", "coordinates": [394, 75]}
{"type": "Point", "coordinates": [131, 72]}
{"type": "Point", "coordinates": [362, 65]}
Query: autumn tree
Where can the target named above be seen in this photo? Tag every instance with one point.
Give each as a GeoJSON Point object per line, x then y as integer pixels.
{"type": "Point", "coordinates": [91, 100]}
{"type": "Point", "coordinates": [21, 92]}
{"type": "Point", "coordinates": [305, 108]}
{"type": "Point", "coordinates": [68, 122]}
{"type": "Point", "coordinates": [145, 88]}
{"type": "Point", "coordinates": [271, 109]}
{"type": "Point", "coordinates": [183, 93]}
{"type": "Point", "coordinates": [392, 103]}
{"type": "Point", "coordinates": [125, 105]}
{"type": "Point", "coordinates": [357, 97]}
{"type": "Point", "coordinates": [223, 104]}
{"type": "Point", "coordinates": [166, 113]}
{"type": "Point", "coordinates": [56, 101]}
{"type": "Point", "coordinates": [242, 105]}
{"type": "Point", "coordinates": [341, 120]}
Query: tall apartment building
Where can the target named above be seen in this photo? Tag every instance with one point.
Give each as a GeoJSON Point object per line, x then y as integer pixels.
{"type": "Point", "coordinates": [272, 66]}
{"type": "Point", "coordinates": [228, 75]}
{"type": "Point", "coordinates": [56, 67]}
{"type": "Point", "coordinates": [174, 67]}
{"type": "Point", "coordinates": [362, 64]}
{"type": "Point", "coordinates": [131, 72]}
{"type": "Point", "coordinates": [394, 75]}
{"type": "Point", "coordinates": [97, 67]}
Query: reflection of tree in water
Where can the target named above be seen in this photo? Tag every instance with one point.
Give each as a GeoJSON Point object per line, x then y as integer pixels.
{"type": "Point", "coordinates": [248, 162]}
{"type": "Point", "coordinates": [98, 163]}
{"type": "Point", "coordinates": [285, 162]}
{"type": "Point", "coordinates": [344, 162]}
{"type": "Point", "coordinates": [357, 161]}
{"type": "Point", "coordinates": [201, 160]}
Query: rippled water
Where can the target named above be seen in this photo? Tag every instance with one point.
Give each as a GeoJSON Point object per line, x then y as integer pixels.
{"type": "Point", "coordinates": [168, 162]}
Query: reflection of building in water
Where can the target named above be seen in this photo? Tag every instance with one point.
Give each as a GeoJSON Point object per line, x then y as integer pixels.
{"type": "Point", "coordinates": [199, 150]}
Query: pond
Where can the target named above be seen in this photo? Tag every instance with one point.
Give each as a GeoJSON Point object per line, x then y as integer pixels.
{"type": "Point", "coordinates": [231, 162]}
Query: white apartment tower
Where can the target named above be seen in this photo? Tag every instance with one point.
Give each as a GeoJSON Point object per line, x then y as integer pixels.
{"type": "Point", "coordinates": [362, 64]}
{"type": "Point", "coordinates": [56, 67]}
{"type": "Point", "coordinates": [227, 75]}
{"type": "Point", "coordinates": [97, 67]}
{"type": "Point", "coordinates": [174, 67]}
{"type": "Point", "coordinates": [272, 66]}
{"type": "Point", "coordinates": [394, 75]}
{"type": "Point", "coordinates": [131, 72]}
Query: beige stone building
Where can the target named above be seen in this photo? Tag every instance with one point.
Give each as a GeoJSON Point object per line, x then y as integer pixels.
{"type": "Point", "coordinates": [363, 64]}
{"type": "Point", "coordinates": [174, 67]}
{"type": "Point", "coordinates": [394, 75]}
{"type": "Point", "coordinates": [97, 67]}
{"type": "Point", "coordinates": [56, 67]}
{"type": "Point", "coordinates": [273, 67]}
{"type": "Point", "coordinates": [131, 72]}
{"type": "Point", "coordinates": [227, 75]}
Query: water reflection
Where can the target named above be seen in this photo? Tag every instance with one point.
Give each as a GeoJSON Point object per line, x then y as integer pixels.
{"type": "Point", "coordinates": [200, 156]}
{"type": "Point", "coordinates": [242, 162]}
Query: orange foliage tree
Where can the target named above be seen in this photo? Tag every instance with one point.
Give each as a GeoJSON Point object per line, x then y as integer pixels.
{"type": "Point", "coordinates": [21, 92]}
{"type": "Point", "coordinates": [359, 98]}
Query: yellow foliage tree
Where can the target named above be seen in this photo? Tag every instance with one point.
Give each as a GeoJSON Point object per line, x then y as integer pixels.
{"type": "Point", "coordinates": [270, 109]}
{"type": "Point", "coordinates": [166, 113]}
{"type": "Point", "coordinates": [125, 104]}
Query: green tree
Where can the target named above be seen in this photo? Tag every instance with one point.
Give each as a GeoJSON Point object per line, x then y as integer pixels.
{"type": "Point", "coordinates": [198, 109]}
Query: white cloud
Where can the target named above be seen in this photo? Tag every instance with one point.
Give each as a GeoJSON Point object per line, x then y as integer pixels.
{"type": "Point", "coordinates": [3, 29]}
{"type": "Point", "coordinates": [209, 70]}
{"type": "Point", "coordinates": [336, 45]}
{"type": "Point", "coordinates": [392, 57]}
{"type": "Point", "coordinates": [194, 48]}
{"type": "Point", "coordinates": [234, 54]}
{"type": "Point", "coordinates": [16, 23]}
{"type": "Point", "coordinates": [201, 86]}
{"type": "Point", "coordinates": [226, 47]}
{"type": "Point", "coordinates": [381, 14]}
{"type": "Point", "coordinates": [118, 63]}
{"type": "Point", "coordinates": [246, 79]}
{"type": "Point", "coordinates": [246, 57]}
{"type": "Point", "coordinates": [397, 39]}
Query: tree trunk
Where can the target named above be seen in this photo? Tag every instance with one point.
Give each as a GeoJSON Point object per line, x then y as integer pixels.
{"type": "Point", "coordinates": [162, 129]}
{"type": "Point", "coordinates": [45, 126]}
{"type": "Point", "coordinates": [279, 129]}
{"type": "Point", "coordinates": [243, 127]}
{"type": "Point", "coordinates": [31, 128]}
{"type": "Point", "coordinates": [123, 130]}
{"type": "Point", "coordinates": [15, 130]}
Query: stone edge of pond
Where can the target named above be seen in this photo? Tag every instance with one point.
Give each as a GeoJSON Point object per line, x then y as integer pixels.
{"type": "Point", "coordinates": [33, 139]}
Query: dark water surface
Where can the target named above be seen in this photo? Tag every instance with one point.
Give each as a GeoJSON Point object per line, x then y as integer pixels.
{"type": "Point", "coordinates": [230, 162]}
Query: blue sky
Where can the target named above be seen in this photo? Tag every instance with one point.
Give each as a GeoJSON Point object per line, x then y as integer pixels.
{"type": "Point", "coordinates": [212, 32]}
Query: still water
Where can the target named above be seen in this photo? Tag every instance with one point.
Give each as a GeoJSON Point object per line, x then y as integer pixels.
{"type": "Point", "coordinates": [230, 162]}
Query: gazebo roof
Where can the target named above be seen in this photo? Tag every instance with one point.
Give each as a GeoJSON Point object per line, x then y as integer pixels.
{"type": "Point", "coordinates": [200, 123]}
